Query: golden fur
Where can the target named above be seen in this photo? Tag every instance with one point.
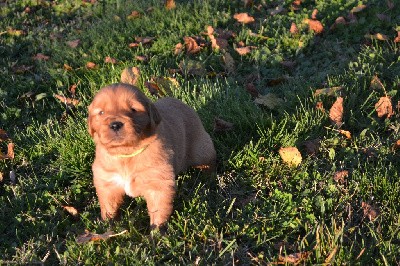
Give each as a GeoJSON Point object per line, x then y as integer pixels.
{"type": "Point", "coordinates": [141, 146]}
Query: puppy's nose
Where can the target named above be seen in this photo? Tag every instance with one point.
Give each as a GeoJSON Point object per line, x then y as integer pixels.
{"type": "Point", "coordinates": [116, 125]}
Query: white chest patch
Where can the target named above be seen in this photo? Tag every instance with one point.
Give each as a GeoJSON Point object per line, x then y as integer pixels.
{"type": "Point", "coordinates": [122, 182]}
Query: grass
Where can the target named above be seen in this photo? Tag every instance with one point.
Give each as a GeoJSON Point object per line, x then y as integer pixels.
{"type": "Point", "coordinates": [257, 210]}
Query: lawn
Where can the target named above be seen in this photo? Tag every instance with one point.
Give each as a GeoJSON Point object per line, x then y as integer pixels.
{"type": "Point", "coordinates": [300, 98]}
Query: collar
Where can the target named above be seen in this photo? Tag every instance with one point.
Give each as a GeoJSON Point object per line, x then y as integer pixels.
{"type": "Point", "coordinates": [137, 152]}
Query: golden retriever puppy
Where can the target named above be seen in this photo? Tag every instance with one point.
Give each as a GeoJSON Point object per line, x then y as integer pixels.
{"type": "Point", "coordinates": [141, 146]}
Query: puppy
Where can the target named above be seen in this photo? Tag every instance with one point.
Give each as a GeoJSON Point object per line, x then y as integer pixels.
{"type": "Point", "coordinates": [141, 146]}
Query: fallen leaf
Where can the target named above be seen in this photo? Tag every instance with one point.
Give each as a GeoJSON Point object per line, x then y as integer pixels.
{"type": "Point", "coordinates": [269, 100]}
{"type": "Point", "coordinates": [222, 125]}
{"type": "Point", "coordinates": [328, 91]}
{"type": "Point", "coordinates": [311, 147]}
{"type": "Point", "coordinates": [71, 210]}
{"type": "Point", "coordinates": [296, 5]}
{"type": "Point", "coordinates": [178, 49]}
{"type": "Point", "coordinates": [74, 43]}
{"type": "Point", "coordinates": [67, 67]}
{"type": "Point", "coordinates": [90, 237]}
{"type": "Point", "coordinates": [340, 176]}
{"type": "Point", "coordinates": [91, 65]}
{"type": "Point", "coordinates": [320, 106]}
{"type": "Point", "coordinates": [14, 32]}
{"type": "Point", "coordinates": [144, 40]}
{"type": "Point", "coordinates": [110, 60]}
{"type": "Point", "coordinates": [130, 75]}
{"type": "Point", "coordinates": [293, 29]}
{"type": "Point", "coordinates": [358, 8]}
{"type": "Point", "coordinates": [1, 177]}
{"type": "Point", "coordinates": [41, 57]}
{"type": "Point", "coordinates": [218, 43]}
{"type": "Point", "coordinates": [244, 50]}
{"type": "Point", "coordinates": [315, 26]}
{"type": "Point", "coordinates": [345, 133]}
{"type": "Point", "coordinates": [377, 36]}
{"type": "Point", "coordinates": [66, 100]}
{"type": "Point", "coordinates": [191, 45]}
{"type": "Point", "coordinates": [336, 112]}
{"type": "Point", "coordinates": [314, 14]}
{"type": "Point", "coordinates": [372, 212]}
{"type": "Point", "coordinates": [397, 39]}
{"type": "Point", "coordinates": [290, 155]}
{"type": "Point", "coordinates": [294, 258]}
{"type": "Point", "coordinates": [134, 14]}
{"type": "Point", "coordinates": [339, 21]}
{"type": "Point", "coordinates": [141, 58]}
{"type": "Point", "coordinates": [72, 88]}
{"type": "Point", "coordinates": [230, 65]}
{"type": "Point", "coordinates": [250, 88]}
{"type": "Point", "coordinates": [396, 145]}
{"type": "Point", "coordinates": [134, 44]}
{"type": "Point", "coordinates": [192, 67]}
{"type": "Point", "coordinates": [275, 81]}
{"type": "Point", "coordinates": [384, 107]}
{"type": "Point", "coordinates": [166, 84]}
{"type": "Point", "coordinates": [3, 135]}
{"type": "Point", "coordinates": [170, 4]}
{"type": "Point", "coordinates": [288, 64]}
{"type": "Point", "coordinates": [243, 18]}
{"type": "Point", "coordinates": [225, 34]}
{"type": "Point", "coordinates": [376, 84]}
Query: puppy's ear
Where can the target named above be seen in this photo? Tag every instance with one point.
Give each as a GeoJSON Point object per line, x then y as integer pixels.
{"type": "Point", "coordinates": [155, 117]}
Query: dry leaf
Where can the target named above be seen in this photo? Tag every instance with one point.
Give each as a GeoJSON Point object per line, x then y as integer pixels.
{"type": "Point", "coordinates": [141, 58]}
{"type": "Point", "coordinates": [336, 112]}
{"type": "Point", "coordinates": [376, 84]}
{"type": "Point", "coordinates": [167, 84]}
{"type": "Point", "coordinates": [218, 43]}
{"type": "Point", "coordinates": [377, 36]}
{"type": "Point", "coordinates": [397, 39]}
{"type": "Point", "coordinates": [1, 177]}
{"type": "Point", "coordinates": [290, 155]}
{"type": "Point", "coordinates": [311, 147]}
{"type": "Point", "coordinates": [3, 135]}
{"type": "Point", "coordinates": [178, 49]}
{"type": "Point", "coordinates": [170, 4]}
{"type": "Point", "coordinates": [41, 57]}
{"type": "Point", "coordinates": [243, 18]}
{"type": "Point", "coordinates": [72, 88]}
{"type": "Point", "coordinates": [14, 32]}
{"type": "Point", "coordinates": [396, 145]}
{"type": "Point", "coordinates": [358, 8]}
{"type": "Point", "coordinates": [67, 67]}
{"type": "Point", "coordinates": [144, 40]}
{"type": "Point", "coordinates": [74, 43]}
{"type": "Point", "coordinates": [315, 25]}
{"type": "Point", "coordinates": [327, 91]}
{"type": "Point", "coordinates": [320, 106]}
{"type": "Point", "coordinates": [340, 176]}
{"type": "Point", "coordinates": [110, 60]}
{"type": "Point", "coordinates": [345, 133]}
{"type": "Point", "coordinates": [372, 212]}
{"type": "Point", "coordinates": [191, 45]}
{"type": "Point", "coordinates": [222, 125]}
{"type": "Point", "coordinates": [66, 100]}
{"type": "Point", "coordinates": [130, 75]}
{"type": "Point", "coordinates": [192, 67]}
{"type": "Point", "coordinates": [293, 29]}
{"type": "Point", "coordinates": [153, 88]}
{"type": "Point", "coordinates": [134, 44]}
{"type": "Point", "coordinates": [384, 107]}
{"type": "Point", "coordinates": [230, 65]}
{"type": "Point", "coordinates": [250, 88]}
{"type": "Point", "coordinates": [71, 210]}
{"type": "Point", "coordinates": [89, 237]}
{"type": "Point", "coordinates": [91, 65]}
{"type": "Point", "coordinates": [244, 50]}
{"type": "Point", "coordinates": [314, 14]}
{"type": "Point", "coordinates": [269, 100]}
{"type": "Point", "coordinates": [294, 258]}
{"type": "Point", "coordinates": [134, 14]}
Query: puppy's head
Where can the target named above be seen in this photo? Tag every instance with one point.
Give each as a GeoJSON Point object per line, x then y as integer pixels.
{"type": "Point", "coordinates": [121, 118]}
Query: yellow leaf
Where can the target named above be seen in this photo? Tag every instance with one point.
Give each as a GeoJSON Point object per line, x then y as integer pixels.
{"type": "Point", "coordinates": [328, 91]}
{"type": "Point", "coordinates": [269, 100]}
{"type": "Point", "coordinates": [345, 133]}
{"type": "Point", "coordinates": [358, 8]}
{"type": "Point", "coordinates": [377, 36]}
{"type": "Point", "coordinates": [290, 155]}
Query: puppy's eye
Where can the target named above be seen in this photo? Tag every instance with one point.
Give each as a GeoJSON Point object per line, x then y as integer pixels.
{"type": "Point", "coordinates": [133, 110]}
{"type": "Point", "coordinates": [101, 112]}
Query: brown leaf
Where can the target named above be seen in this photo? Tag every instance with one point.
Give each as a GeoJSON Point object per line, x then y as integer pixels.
{"type": "Point", "coordinates": [320, 106]}
{"type": "Point", "coordinates": [345, 133]}
{"type": "Point", "coordinates": [376, 84]}
{"type": "Point", "coordinates": [66, 100]}
{"type": "Point", "coordinates": [384, 107]}
{"type": "Point", "coordinates": [295, 258]}
{"type": "Point", "coordinates": [210, 31]}
{"type": "Point", "coordinates": [315, 26]}
{"type": "Point", "coordinates": [340, 176]}
{"type": "Point", "coordinates": [134, 14]}
{"type": "Point", "coordinates": [3, 135]}
{"type": "Point", "coordinates": [377, 36]}
{"type": "Point", "coordinates": [336, 112]}
{"type": "Point", "coordinates": [178, 49]}
{"type": "Point", "coordinates": [153, 88]}
{"type": "Point", "coordinates": [141, 58]}
{"type": "Point", "coordinates": [134, 44]}
{"type": "Point", "coordinates": [74, 43]}
{"type": "Point", "coordinates": [130, 75]}
{"type": "Point", "coordinates": [1, 176]}
{"type": "Point", "coordinates": [372, 212]}
{"type": "Point", "coordinates": [250, 88]}
{"type": "Point", "coordinates": [328, 91]}
{"type": "Point", "coordinates": [10, 150]}
{"type": "Point", "coordinates": [244, 50]}
{"type": "Point", "coordinates": [230, 65]}
{"type": "Point", "coordinates": [67, 67]}
{"type": "Point", "coordinates": [41, 57]}
{"type": "Point", "coordinates": [358, 8]}
{"type": "Point", "coordinates": [314, 14]}
{"type": "Point", "coordinates": [72, 88]}
{"type": "Point", "coordinates": [110, 60]}
{"type": "Point", "coordinates": [191, 45]}
{"type": "Point", "coordinates": [397, 39]}
{"type": "Point", "coordinates": [144, 40]}
{"type": "Point", "coordinates": [71, 210]}
{"type": "Point", "coordinates": [396, 145]}
{"type": "Point", "coordinates": [222, 125]}
{"type": "Point", "coordinates": [290, 155]}
{"type": "Point", "coordinates": [311, 147]}
{"type": "Point", "coordinates": [91, 65]}
{"type": "Point", "coordinates": [293, 29]}
{"type": "Point", "coordinates": [243, 18]}
{"type": "Point", "coordinates": [218, 43]}
{"type": "Point", "coordinates": [170, 4]}
{"type": "Point", "coordinates": [166, 84]}
{"type": "Point", "coordinates": [90, 237]}
{"type": "Point", "coordinates": [296, 5]}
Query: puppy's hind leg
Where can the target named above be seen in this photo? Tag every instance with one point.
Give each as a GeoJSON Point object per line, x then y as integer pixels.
{"type": "Point", "coordinates": [204, 156]}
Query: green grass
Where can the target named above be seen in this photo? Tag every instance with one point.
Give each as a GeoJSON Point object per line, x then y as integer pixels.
{"type": "Point", "coordinates": [257, 209]}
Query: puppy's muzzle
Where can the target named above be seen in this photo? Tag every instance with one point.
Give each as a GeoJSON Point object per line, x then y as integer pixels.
{"type": "Point", "coordinates": [116, 126]}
